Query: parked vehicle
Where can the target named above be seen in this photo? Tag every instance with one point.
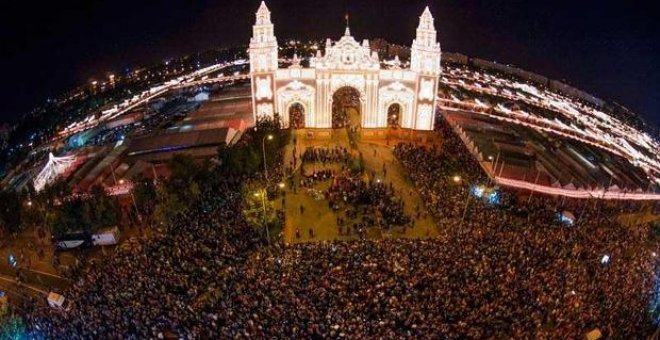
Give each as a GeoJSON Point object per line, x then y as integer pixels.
{"type": "Point", "coordinates": [57, 301]}
{"type": "Point", "coordinates": [106, 238]}
{"type": "Point", "coordinates": [72, 240]}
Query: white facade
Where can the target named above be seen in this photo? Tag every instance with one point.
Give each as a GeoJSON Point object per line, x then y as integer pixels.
{"type": "Point", "coordinates": [346, 63]}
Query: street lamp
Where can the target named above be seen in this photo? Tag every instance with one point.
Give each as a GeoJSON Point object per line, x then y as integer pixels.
{"type": "Point", "coordinates": [263, 149]}
{"type": "Point", "coordinates": [262, 193]}
{"type": "Point", "coordinates": [130, 191]}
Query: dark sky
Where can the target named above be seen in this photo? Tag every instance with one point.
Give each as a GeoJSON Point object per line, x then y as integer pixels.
{"type": "Point", "coordinates": [609, 48]}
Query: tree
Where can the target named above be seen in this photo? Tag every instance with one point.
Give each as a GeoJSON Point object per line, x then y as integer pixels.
{"type": "Point", "coordinates": [169, 205]}
{"type": "Point", "coordinates": [182, 189]}
{"type": "Point", "coordinates": [33, 213]}
{"type": "Point", "coordinates": [145, 193]}
{"type": "Point", "coordinates": [240, 160]}
{"type": "Point", "coordinates": [103, 210]}
{"type": "Point", "coordinates": [10, 211]}
{"type": "Point", "coordinates": [69, 216]}
{"type": "Point", "coordinates": [246, 157]}
{"type": "Point", "coordinates": [55, 192]}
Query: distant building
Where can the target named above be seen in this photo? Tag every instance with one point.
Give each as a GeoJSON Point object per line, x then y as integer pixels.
{"type": "Point", "coordinates": [389, 50]}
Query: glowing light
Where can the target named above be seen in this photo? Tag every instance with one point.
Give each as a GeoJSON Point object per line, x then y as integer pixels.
{"type": "Point", "coordinates": [478, 191]}
{"type": "Point", "coordinates": [654, 303]}
{"type": "Point", "coordinates": [494, 197]}
{"type": "Point", "coordinates": [12, 260]}
{"type": "Point", "coordinates": [566, 218]}
{"type": "Point", "coordinates": [580, 121]}
{"type": "Point", "coordinates": [457, 178]}
{"type": "Point", "coordinates": [53, 169]}
{"type": "Point", "coordinates": [608, 195]}
{"type": "Point", "coordinates": [605, 259]}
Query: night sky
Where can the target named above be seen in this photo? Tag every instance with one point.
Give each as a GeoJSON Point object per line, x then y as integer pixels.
{"type": "Point", "coordinates": [608, 48]}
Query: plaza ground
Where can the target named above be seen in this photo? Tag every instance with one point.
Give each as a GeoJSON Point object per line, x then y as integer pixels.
{"type": "Point", "coordinates": [320, 218]}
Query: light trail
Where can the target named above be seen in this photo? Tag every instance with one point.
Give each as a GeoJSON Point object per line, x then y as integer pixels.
{"type": "Point", "coordinates": [576, 193]}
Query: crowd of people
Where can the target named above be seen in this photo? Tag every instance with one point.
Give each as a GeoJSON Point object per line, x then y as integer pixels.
{"type": "Point", "coordinates": [394, 116]}
{"type": "Point", "coordinates": [297, 116]}
{"type": "Point", "coordinates": [506, 270]}
{"type": "Point", "coordinates": [508, 283]}
{"type": "Point", "coordinates": [326, 155]}
{"type": "Point", "coordinates": [308, 181]}
{"type": "Point", "coordinates": [566, 273]}
{"type": "Point", "coordinates": [344, 100]}
{"type": "Point", "coordinates": [155, 290]}
{"type": "Point", "coordinates": [374, 203]}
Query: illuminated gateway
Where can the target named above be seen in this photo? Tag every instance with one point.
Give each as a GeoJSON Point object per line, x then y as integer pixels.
{"type": "Point", "coordinates": [345, 63]}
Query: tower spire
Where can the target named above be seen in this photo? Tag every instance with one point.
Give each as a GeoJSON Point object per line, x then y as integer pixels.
{"type": "Point", "coordinates": [263, 14]}
{"type": "Point", "coordinates": [426, 19]}
{"type": "Point", "coordinates": [348, 30]}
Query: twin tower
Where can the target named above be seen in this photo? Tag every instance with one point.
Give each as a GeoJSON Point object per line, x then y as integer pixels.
{"type": "Point", "coordinates": [346, 63]}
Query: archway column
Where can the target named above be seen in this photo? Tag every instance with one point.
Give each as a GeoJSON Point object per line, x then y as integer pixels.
{"type": "Point", "coordinates": [324, 103]}
{"type": "Point", "coordinates": [370, 113]}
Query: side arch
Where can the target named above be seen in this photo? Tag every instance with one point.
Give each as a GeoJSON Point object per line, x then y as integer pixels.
{"type": "Point", "coordinates": [396, 93]}
{"type": "Point", "coordinates": [296, 92]}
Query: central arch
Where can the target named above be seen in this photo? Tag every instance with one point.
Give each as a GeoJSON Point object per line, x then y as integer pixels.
{"type": "Point", "coordinates": [296, 113]}
{"type": "Point", "coordinates": [346, 108]}
{"type": "Point", "coordinates": [394, 112]}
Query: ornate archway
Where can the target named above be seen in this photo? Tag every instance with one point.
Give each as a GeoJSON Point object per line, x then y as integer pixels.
{"type": "Point", "coordinates": [394, 115]}
{"type": "Point", "coordinates": [296, 113]}
{"type": "Point", "coordinates": [346, 107]}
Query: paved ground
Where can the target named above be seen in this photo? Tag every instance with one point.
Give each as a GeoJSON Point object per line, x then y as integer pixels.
{"type": "Point", "coordinates": [635, 219]}
{"type": "Point", "coordinates": [317, 214]}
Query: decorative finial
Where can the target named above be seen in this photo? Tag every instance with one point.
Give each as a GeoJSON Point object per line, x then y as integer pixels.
{"type": "Point", "coordinates": [427, 10]}
{"type": "Point", "coordinates": [348, 30]}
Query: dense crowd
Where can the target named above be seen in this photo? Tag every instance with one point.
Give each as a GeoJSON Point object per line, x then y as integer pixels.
{"type": "Point", "coordinates": [394, 116]}
{"type": "Point", "coordinates": [506, 270]}
{"type": "Point", "coordinates": [374, 202]}
{"type": "Point", "coordinates": [344, 100]}
{"type": "Point", "coordinates": [568, 285]}
{"type": "Point", "coordinates": [297, 116]}
{"type": "Point", "coordinates": [154, 290]}
{"type": "Point", "coordinates": [503, 283]}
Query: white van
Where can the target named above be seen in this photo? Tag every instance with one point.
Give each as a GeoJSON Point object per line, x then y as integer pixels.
{"type": "Point", "coordinates": [106, 238]}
